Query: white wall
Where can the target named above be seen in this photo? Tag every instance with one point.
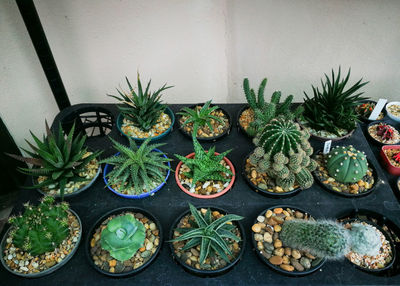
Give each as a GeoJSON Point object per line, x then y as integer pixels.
{"type": "Point", "coordinates": [203, 47]}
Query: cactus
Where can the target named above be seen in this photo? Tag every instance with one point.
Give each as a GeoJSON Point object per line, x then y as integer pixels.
{"type": "Point", "coordinates": [347, 164]}
{"type": "Point", "coordinates": [329, 239]}
{"type": "Point", "coordinates": [123, 236]}
{"type": "Point", "coordinates": [42, 228]}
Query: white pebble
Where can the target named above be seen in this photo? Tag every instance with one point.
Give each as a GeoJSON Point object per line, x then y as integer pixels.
{"type": "Point", "coordinates": [23, 268]}
{"type": "Point", "coordinates": [35, 265]}
{"type": "Point", "coordinates": [261, 218]}
{"type": "Point", "coordinates": [206, 184]}
{"type": "Point", "coordinates": [75, 239]}
{"type": "Point", "coordinates": [149, 246]}
{"type": "Point", "coordinates": [226, 184]}
{"type": "Point", "coordinates": [192, 190]}
{"type": "Point", "coordinates": [26, 263]}
{"type": "Point", "coordinates": [9, 257]}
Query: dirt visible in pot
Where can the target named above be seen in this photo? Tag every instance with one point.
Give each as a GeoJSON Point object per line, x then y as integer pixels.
{"type": "Point", "coordinates": [246, 117]}
{"type": "Point", "coordinates": [394, 156]}
{"type": "Point", "coordinates": [262, 180]}
{"type": "Point", "coordinates": [362, 186]}
{"type": "Point", "coordinates": [394, 109]}
{"type": "Point", "coordinates": [162, 125]}
{"type": "Point", "coordinates": [22, 262]}
{"type": "Point", "coordinates": [384, 257]}
{"type": "Point", "coordinates": [324, 133]}
{"type": "Point", "coordinates": [204, 131]}
{"type": "Point", "coordinates": [266, 233]}
{"type": "Point", "coordinates": [365, 110]}
{"type": "Point", "coordinates": [132, 192]}
{"type": "Point", "coordinates": [106, 262]}
{"type": "Point", "coordinates": [192, 255]}
{"type": "Point", "coordinates": [384, 133]}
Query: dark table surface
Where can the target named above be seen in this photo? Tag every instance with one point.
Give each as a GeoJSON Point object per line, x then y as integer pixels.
{"type": "Point", "coordinates": [170, 202]}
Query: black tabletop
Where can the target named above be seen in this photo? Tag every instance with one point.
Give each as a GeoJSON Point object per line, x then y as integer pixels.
{"type": "Point", "coordinates": [170, 201]}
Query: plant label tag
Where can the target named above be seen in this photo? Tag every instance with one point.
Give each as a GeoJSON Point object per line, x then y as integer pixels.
{"type": "Point", "coordinates": [378, 108]}
{"type": "Point", "coordinates": [327, 147]}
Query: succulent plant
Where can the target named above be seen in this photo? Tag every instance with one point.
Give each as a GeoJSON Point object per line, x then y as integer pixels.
{"type": "Point", "coordinates": [136, 168]}
{"type": "Point", "coordinates": [200, 117]}
{"type": "Point", "coordinates": [213, 235]}
{"type": "Point", "coordinates": [329, 239]}
{"type": "Point", "coordinates": [386, 132]}
{"type": "Point", "coordinates": [396, 157]}
{"type": "Point", "coordinates": [60, 160]}
{"type": "Point", "coordinates": [333, 108]}
{"type": "Point", "coordinates": [283, 152]}
{"type": "Point", "coordinates": [42, 228]}
{"type": "Point", "coordinates": [205, 165]}
{"type": "Point", "coordinates": [123, 236]}
{"type": "Point", "coordinates": [142, 108]}
{"type": "Point", "coordinates": [346, 164]}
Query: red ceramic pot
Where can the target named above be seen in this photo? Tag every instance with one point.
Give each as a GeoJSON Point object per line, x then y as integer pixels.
{"type": "Point", "coordinates": [389, 167]}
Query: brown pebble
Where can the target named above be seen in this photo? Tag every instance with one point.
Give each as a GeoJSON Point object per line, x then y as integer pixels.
{"type": "Point", "coordinates": [278, 210]}
{"type": "Point", "coordinates": [276, 260]}
{"type": "Point", "coordinates": [277, 228]}
{"type": "Point", "coordinates": [278, 243]}
{"type": "Point", "coordinates": [256, 227]}
{"type": "Point", "coordinates": [287, 267]}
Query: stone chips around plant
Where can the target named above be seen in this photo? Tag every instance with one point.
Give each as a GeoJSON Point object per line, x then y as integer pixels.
{"type": "Point", "coordinates": [162, 125]}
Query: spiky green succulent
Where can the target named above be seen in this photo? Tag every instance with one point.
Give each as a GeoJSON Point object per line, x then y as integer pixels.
{"type": "Point", "coordinates": [137, 169]}
{"type": "Point", "coordinates": [40, 228]}
{"type": "Point", "coordinates": [205, 165]}
{"type": "Point", "coordinates": [333, 108]}
{"type": "Point", "coordinates": [123, 236]}
{"type": "Point", "coordinates": [200, 117]}
{"type": "Point", "coordinates": [213, 235]}
{"type": "Point", "coordinates": [142, 108]}
{"type": "Point", "coordinates": [60, 160]}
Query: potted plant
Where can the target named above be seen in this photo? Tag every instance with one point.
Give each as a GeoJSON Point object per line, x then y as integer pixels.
{"type": "Point", "coordinates": [41, 240]}
{"type": "Point", "coordinates": [346, 171]}
{"type": "Point", "coordinates": [382, 133]}
{"type": "Point", "coordinates": [393, 110]}
{"type": "Point", "coordinates": [204, 174]}
{"type": "Point", "coordinates": [210, 121]}
{"type": "Point", "coordinates": [136, 172]}
{"type": "Point", "coordinates": [281, 163]}
{"type": "Point", "coordinates": [330, 114]}
{"type": "Point", "coordinates": [142, 114]}
{"type": "Point", "coordinates": [365, 109]}
{"type": "Point", "coordinates": [257, 113]}
{"type": "Point", "coordinates": [268, 242]}
{"type": "Point", "coordinates": [124, 241]}
{"type": "Point", "coordinates": [64, 165]}
{"type": "Point", "coordinates": [207, 241]}
{"type": "Point", "coordinates": [391, 159]}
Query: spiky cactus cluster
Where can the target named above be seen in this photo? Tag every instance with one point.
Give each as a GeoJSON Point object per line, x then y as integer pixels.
{"type": "Point", "coordinates": [283, 152]}
{"type": "Point", "coordinates": [42, 228]}
{"type": "Point", "coordinates": [330, 239]}
{"type": "Point", "coordinates": [346, 164]}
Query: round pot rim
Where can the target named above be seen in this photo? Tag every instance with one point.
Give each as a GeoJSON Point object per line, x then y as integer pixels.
{"type": "Point", "coordinates": [265, 192]}
{"type": "Point", "coordinates": [246, 106]}
{"type": "Point", "coordinates": [266, 261]}
{"type": "Point", "coordinates": [374, 174]}
{"type": "Point", "coordinates": [167, 110]}
{"type": "Point", "coordinates": [119, 210]}
{"type": "Point", "coordinates": [202, 272]}
{"type": "Point", "coordinates": [142, 195]}
{"type": "Point", "coordinates": [391, 114]}
{"type": "Point", "coordinates": [321, 138]}
{"type": "Point", "coordinates": [207, 139]}
{"type": "Point", "coordinates": [365, 119]}
{"type": "Point", "coordinates": [51, 269]}
{"type": "Point", "coordinates": [225, 190]}
{"type": "Point", "coordinates": [377, 122]}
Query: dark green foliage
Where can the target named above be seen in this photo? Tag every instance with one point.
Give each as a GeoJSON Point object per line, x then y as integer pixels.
{"type": "Point", "coordinates": [60, 159]}
{"type": "Point", "coordinates": [213, 235]}
{"type": "Point", "coordinates": [142, 108]}
{"type": "Point", "coordinates": [333, 108]}
{"type": "Point", "coordinates": [137, 167]}
{"type": "Point", "coordinates": [40, 229]}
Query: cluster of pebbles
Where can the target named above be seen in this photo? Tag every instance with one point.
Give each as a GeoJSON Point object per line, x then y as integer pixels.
{"type": "Point", "coordinates": [191, 257]}
{"type": "Point", "coordinates": [262, 181]}
{"type": "Point", "coordinates": [389, 154]}
{"type": "Point", "coordinates": [266, 234]}
{"type": "Point", "coordinates": [131, 191]}
{"type": "Point", "coordinates": [362, 186]}
{"type": "Point", "coordinates": [162, 125]}
{"type": "Point", "coordinates": [246, 117]}
{"type": "Point", "coordinates": [204, 131]}
{"type": "Point", "coordinates": [372, 130]}
{"type": "Point", "coordinates": [106, 262]}
{"type": "Point", "coordinates": [324, 133]}
{"type": "Point", "coordinates": [22, 262]}
{"type": "Point", "coordinates": [71, 187]}
{"type": "Point", "coordinates": [208, 187]}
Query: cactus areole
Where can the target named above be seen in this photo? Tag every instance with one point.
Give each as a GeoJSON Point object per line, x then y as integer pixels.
{"type": "Point", "coordinates": [346, 164]}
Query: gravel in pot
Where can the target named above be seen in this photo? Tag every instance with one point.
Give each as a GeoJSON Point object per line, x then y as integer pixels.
{"type": "Point", "coordinates": [382, 133]}
{"type": "Point", "coordinates": [244, 118]}
{"type": "Point", "coordinates": [365, 109]}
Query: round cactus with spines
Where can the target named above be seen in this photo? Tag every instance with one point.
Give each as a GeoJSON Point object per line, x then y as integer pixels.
{"type": "Point", "coordinates": [346, 164]}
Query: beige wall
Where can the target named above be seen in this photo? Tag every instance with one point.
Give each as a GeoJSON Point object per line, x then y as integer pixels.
{"type": "Point", "coordinates": [203, 47]}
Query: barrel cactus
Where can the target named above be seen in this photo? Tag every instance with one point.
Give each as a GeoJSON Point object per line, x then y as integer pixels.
{"type": "Point", "coordinates": [283, 153]}
{"type": "Point", "coordinates": [329, 239]}
{"type": "Point", "coordinates": [123, 236]}
{"type": "Point", "coordinates": [346, 164]}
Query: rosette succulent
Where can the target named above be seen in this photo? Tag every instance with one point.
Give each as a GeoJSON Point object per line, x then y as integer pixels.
{"type": "Point", "coordinates": [123, 236]}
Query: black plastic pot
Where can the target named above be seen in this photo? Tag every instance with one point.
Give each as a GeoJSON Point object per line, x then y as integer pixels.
{"type": "Point", "coordinates": [365, 119]}
{"type": "Point", "coordinates": [201, 272]}
{"type": "Point", "coordinates": [374, 174]}
{"type": "Point", "coordinates": [119, 211]}
{"type": "Point", "coordinates": [265, 192]}
{"type": "Point", "coordinates": [376, 142]}
{"type": "Point", "coordinates": [274, 267]}
{"type": "Point", "coordinates": [206, 139]}
{"type": "Point", "coordinates": [240, 127]}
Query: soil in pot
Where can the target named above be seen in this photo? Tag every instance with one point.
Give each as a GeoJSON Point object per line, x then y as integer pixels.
{"type": "Point", "coordinates": [384, 133]}
{"type": "Point", "coordinates": [246, 117]}
{"type": "Point", "coordinates": [23, 263]}
{"type": "Point", "coordinates": [107, 263]}
{"type": "Point", "coordinates": [266, 236]}
{"type": "Point", "coordinates": [326, 135]}
{"type": "Point", "coordinates": [362, 186]}
{"type": "Point", "coordinates": [365, 109]}
{"type": "Point", "coordinates": [162, 125]}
